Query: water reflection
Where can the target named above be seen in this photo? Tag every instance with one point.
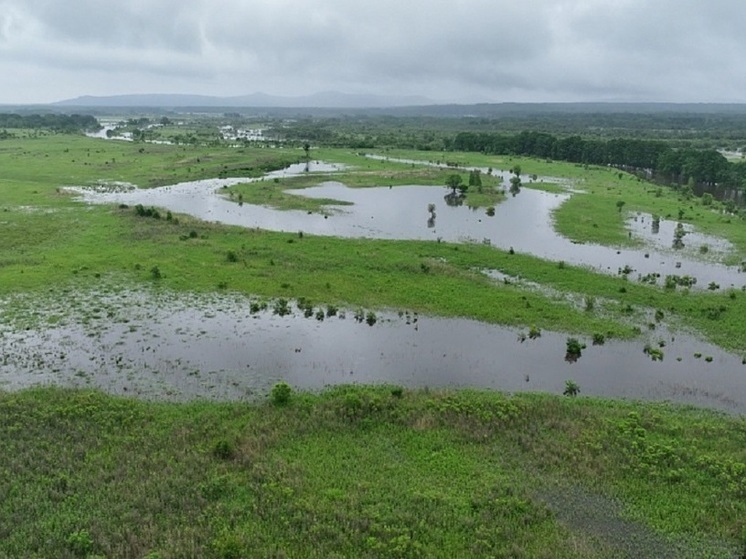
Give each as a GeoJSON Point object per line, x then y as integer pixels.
{"type": "Point", "coordinates": [180, 347]}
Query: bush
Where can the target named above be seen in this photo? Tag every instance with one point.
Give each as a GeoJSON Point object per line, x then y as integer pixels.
{"type": "Point", "coordinates": [223, 449]}
{"type": "Point", "coordinates": [80, 542]}
{"type": "Point", "coordinates": [371, 318]}
{"type": "Point", "coordinates": [574, 349]}
{"type": "Point", "coordinates": [231, 256]}
{"type": "Point", "coordinates": [281, 307]}
{"type": "Point", "coordinates": [228, 546]}
{"type": "Point", "coordinates": [571, 388]}
{"type": "Point", "coordinates": [281, 393]}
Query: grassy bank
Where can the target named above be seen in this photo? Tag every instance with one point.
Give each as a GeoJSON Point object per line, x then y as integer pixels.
{"type": "Point", "coordinates": [367, 472]}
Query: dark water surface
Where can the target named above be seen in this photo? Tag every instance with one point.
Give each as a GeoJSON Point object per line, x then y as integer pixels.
{"type": "Point", "coordinates": [172, 346]}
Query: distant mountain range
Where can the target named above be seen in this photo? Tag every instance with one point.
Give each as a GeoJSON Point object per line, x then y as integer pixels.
{"type": "Point", "coordinates": [328, 99]}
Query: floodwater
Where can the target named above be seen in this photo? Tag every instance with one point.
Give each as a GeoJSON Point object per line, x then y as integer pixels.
{"type": "Point", "coordinates": [154, 344]}
{"type": "Point", "coordinates": [523, 222]}
{"type": "Point", "coordinates": [157, 345]}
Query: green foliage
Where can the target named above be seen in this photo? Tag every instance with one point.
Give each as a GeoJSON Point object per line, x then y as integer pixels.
{"type": "Point", "coordinates": [281, 393]}
{"type": "Point", "coordinates": [227, 545]}
{"type": "Point", "coordinates": [454, 181]}
{"type": "Point", "coordinates": [574, 349]}
{"type": "Point", "coordinates": [655, 353]}
{"type": "Point", "coordinates": [223, 449]}
{"type": "Point", "coordinates": [571, 388]}
{"type": "Point", "coordinates": [80, 543]}
{"type": "Point", "coordinates": [281, 307]}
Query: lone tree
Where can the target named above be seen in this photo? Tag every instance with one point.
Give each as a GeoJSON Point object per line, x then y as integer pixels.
{"type": "Point", "coordinates": [307, 149]}
{"type": "Point", "coordinates": [455, 182]}
{"type": "Point", "coordinates": [515, 185]}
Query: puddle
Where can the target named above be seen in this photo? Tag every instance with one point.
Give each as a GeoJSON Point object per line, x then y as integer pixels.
{"type": "Point", "coordinates": [661, 233]}
{"type": "Point", "coordinates": [522, 222]}
{"type": "Point", "coordinates": [170, 346]}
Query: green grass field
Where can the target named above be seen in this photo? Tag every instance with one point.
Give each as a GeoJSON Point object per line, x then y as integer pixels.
{"type": "Point", "coordinates": [363, 472]}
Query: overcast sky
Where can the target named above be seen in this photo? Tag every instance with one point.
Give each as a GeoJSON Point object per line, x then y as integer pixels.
{"type": "Point", "coordinates": [450, 51]}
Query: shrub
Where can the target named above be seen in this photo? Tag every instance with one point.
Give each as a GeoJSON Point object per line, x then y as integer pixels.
{"type": "Point", "coordinates": [80, 542]}
{"type": "Point", "coordinates": [571, 388]}
{"type": "Point", "coordinates": [371, 318]}
{"type": "Point", "coordinates": [231, 256]}
{"type": "Point", "coordinates": [228, 546]}
{"type": "Point", "coordinates": [281, 393]}
{"type": "Point", "coordinates": [654, 353]}
{"type": "Point", "coordinates": [223, 449]}
{"type": "Point", "coordinates": [155, 273]}
{"type": "Point", "coordinates": [281, 307]}
{"type": "Point", "coordinates": [599, 339]}
{"type": "Point", "coordinates": [574, 349]}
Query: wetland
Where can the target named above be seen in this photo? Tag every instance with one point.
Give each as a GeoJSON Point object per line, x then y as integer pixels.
{"type": "Point", "coordinates": [180, 326]}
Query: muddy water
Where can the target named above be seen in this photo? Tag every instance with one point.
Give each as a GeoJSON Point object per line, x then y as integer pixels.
{"type": "Point", "coordinates": [156, 345]}
{"type": "Point", "coordinates": [522, 222]}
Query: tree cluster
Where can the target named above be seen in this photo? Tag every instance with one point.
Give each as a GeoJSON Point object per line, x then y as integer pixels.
{"type": "Point", "coordinates": [655, 157]}
{"type": "Point", "coordinates": [55, 122]}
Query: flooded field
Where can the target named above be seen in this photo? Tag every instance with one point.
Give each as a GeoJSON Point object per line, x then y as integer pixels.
{"type": "Point", "coordinates": [157, 344]}
{"type": "Point", "coordinates": [523, 222]}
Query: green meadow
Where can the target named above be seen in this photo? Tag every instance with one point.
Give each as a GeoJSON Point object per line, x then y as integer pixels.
{"type": "Point", "coordinates": [363, 472]}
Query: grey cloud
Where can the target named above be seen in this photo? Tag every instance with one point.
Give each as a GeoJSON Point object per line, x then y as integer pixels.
{"type": "Point", "coordinates": [488, 50]}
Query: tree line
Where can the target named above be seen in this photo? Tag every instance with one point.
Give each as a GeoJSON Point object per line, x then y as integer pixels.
{"type": "Point", "coordinates": [653, 157]}
{"type": "Point", "coordinates": [55, 122]}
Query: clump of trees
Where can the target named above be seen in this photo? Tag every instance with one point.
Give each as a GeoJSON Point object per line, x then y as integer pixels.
{"type": "Point", "coordinates": [55, 122]}
{"type": "Point", "coordinates": [657, 158]}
